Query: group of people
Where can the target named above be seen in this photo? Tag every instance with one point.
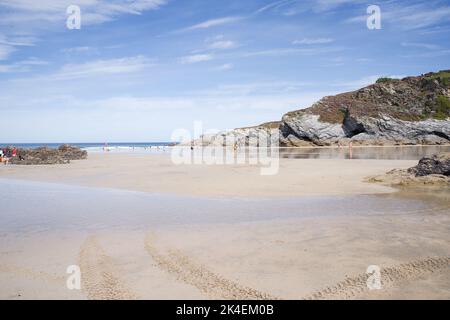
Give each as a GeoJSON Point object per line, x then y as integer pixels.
{"type": "Point", "coordinates": [6, 154]}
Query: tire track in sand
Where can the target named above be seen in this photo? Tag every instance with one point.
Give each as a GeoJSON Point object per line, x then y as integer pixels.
{"type": "Point", "coordinates": [390, 277]}
{"type": "Point", "coordinates": [209, 283]}
{"type": "Point", "coordinates": [99, 279]}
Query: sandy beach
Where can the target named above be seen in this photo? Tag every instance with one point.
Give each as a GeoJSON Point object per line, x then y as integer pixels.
{"type": "Point", "coordinates": [157, 173]}
{"type": "Point", "coordinates": [289, 247]}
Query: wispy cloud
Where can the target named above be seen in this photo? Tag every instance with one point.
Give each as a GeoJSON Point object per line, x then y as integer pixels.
{"type": "Point", "coordinates": [274, 5]}
{"type": "Point", "coordinates": [22, 66]}
{"type": "Point", "coordinates": [292, 51]}
{"type": "Point", "coordinates": [104, 67]}
{"type": "Point", "coordinates": [33, 61]}
{"type": "Point", "coordinates": [410, 17]}
{"type": "Point", "coordinates": [310, 41]}
{"type": "Point", "coordinates": [294, 7]}
{"type": "Point", "coordinates": [430, 54]}
{"type": "Point", "coordinates": [196, 58]}
{"type": "Point", "coordinates": [5, 51]}
{"type": "Point", "coordinates": [28, 15]}
{"type": "Point", "coordinates": [326, 5]}
{"type": "Point", "coordinates": [8, 44]}
{"type": "Point", "coordinates": [94, 11]}
{"type": "Point", "coordinates": [212, 23]}
{"type": "Point", "coordinates": [79, 49]}
{"type": "Point", "coordinates": [222, 44]}
{"type": "Point", "coordinates": [363, 82]}
{"type": "Point", "coordinates": [420, 45]}
{"type": "Point", "coordinates": [18, 41]}
{"type": "Point", "coordinates": [224, 67]}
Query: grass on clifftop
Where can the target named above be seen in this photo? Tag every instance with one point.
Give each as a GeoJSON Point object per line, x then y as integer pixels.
{"type": "Point", "coordinates": [384, 80]}
{"type": "Point", "coordinates": [442, 108]}
{"type": "Point", "coordinates": [442, 76]}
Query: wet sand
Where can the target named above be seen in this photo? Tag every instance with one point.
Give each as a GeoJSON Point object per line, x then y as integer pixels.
{"type": "Point", "coordinates": [276, 243]}
{"type": "Point", "coordinates": [157, 174]}
{"type": "Point", "coordinates": [307, 259]}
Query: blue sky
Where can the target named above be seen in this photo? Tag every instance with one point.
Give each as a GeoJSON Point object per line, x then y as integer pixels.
{"type": "Point", "coordinates": [137, 70]}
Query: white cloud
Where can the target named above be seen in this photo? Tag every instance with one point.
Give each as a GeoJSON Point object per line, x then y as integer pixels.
{"type": "Point", "coordinates": [5, 51]}
{"type": "Point", "coordinates": [30, 16]}
{"type": "Point", "coordinates": [255, 88]}
{"type": "Point", "coordinates": [291, 51]}
{"type": "Point", "coordinates": [326, 5]}
{"type": "Point", "coordinates": [411, 17]}
{"type": "Point", "coordinates": [8, 44]}
{"type": "Point", "coordinates": [142, 103]}
{"type": "Point", "coordinates": [363, 82]}
{"type": "Point", "coordinates": [222, 45]}
{"type": "Point", "coordinates": [213, 23]}
{"type": "Point", "coordinates": [93, 11]}
{"type": "Point", "coordinates": [293, 7]}
{"type": "Point", "coordinates": [196, 58]}
{"type": "Point", "coordinates": [357, 84]}
{"type": "Point", "coordinates": [18, 41]}
{"type": "Point", "coordinates": [22, 66]}
{"type": "Point", "coordinates": [6, 68]}
{"type": "Point", "coordinates": [33, 61]}
{"type": "Point", "coordinates": [274, 5]}
{"type": "Point", "coordinates": [420, 45]}
{"type": "Point", "coordinates": [225, 67]}
{"type": "Point", "coordinates": [104, 67]}
{"type": "Point", "coordinates": [429, 54]}
{"type": "Point", "coordinates": [80, 49]}
{"type": "Point", "coordinates": [309, 41]}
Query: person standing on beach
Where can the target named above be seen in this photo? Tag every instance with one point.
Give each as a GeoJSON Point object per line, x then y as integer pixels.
{"type": "Point", "coordinates": [350, 149]}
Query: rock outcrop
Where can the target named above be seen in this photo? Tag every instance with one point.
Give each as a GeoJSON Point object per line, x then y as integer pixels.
{"type": "Point", "coordinates": [431, 171]}
{"type": "Point", "coordinates": [413, 110]}
{"type": "Point", "coordinates": [437, 164]}
{"type": "Point", "coordinates": [40, 156]}
{"type": "Point", "coordinates": [254, 136]}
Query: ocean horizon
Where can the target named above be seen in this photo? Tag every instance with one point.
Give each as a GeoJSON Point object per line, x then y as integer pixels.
{"type": "Point", "coordinates": [89, 145]}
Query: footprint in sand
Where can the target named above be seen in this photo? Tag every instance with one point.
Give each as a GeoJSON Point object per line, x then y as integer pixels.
{"type": "Point", "coordinates": [99, 279]}
{"type": "Point", "coordinates": [390, 277]}
{"type": "Point", "coordinates": [209, 283]}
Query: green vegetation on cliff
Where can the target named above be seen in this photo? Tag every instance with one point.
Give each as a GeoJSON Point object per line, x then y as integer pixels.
{"type": "Point", "coordinates": [442, 108]}
{"type": "Point", "coordinates": [442, 76]}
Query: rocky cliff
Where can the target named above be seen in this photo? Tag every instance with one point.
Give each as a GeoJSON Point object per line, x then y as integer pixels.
{"type": "Point", "coordinates": [413, 110]}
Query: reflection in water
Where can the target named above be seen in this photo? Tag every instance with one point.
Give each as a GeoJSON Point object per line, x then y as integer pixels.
{"type": "Point", "coordinates": [247, 155]}
{"type": "Point", "coordinates": [30, 207]}
{"type": "Point", "coordinates": [394, 153]}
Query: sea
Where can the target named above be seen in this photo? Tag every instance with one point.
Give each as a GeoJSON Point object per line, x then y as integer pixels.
{"type": "Point", "coordinates": [113, 146]}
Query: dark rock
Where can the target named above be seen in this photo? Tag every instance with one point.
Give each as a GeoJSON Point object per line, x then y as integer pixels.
{"type": "Point", "coordinates": [437, 164]}
{"type": "Point", "coordinates": [72, 153]}
{"type": "Point", "coordinates": [41, 156]}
